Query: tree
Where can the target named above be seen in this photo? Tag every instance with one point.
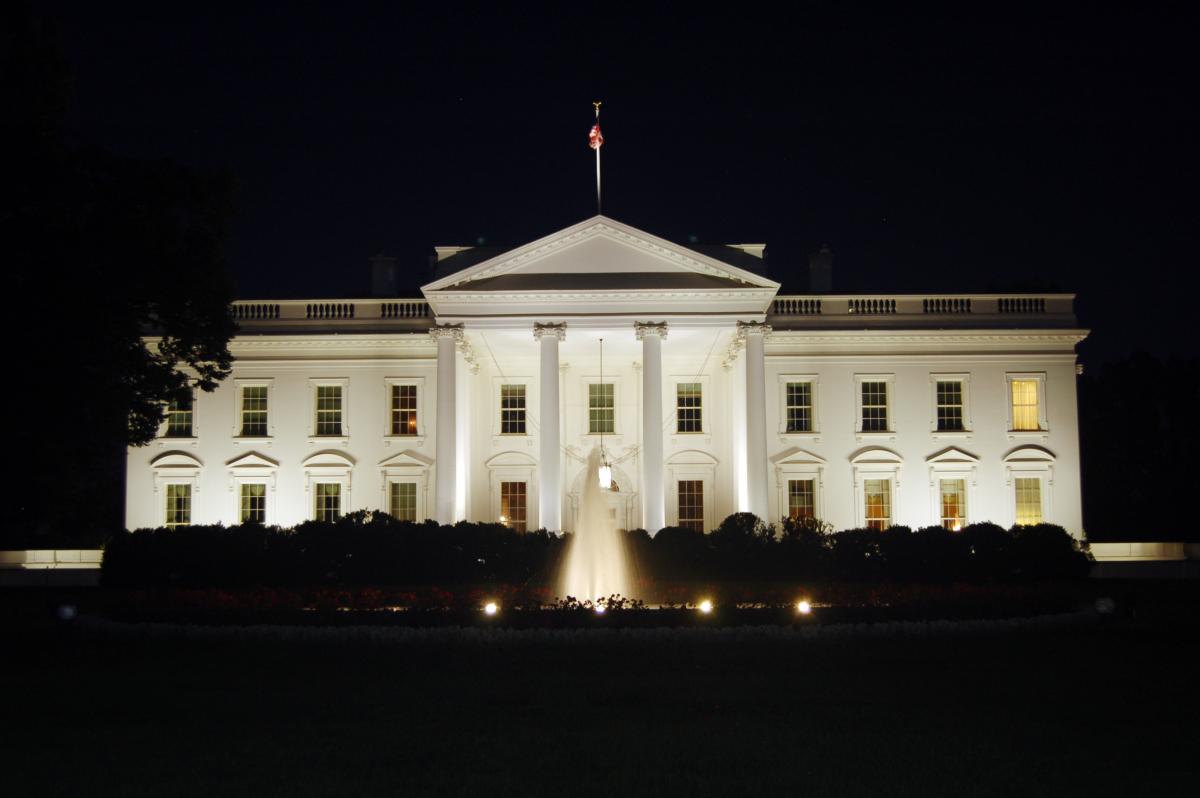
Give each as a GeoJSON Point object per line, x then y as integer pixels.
{"type": "Point", "coordinates": [100, 252]}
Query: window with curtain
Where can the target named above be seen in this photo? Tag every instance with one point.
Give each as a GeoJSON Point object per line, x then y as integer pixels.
{"type": "Point", "coordinates": [253, 502]}
{"type": "Point", "coordinates": [1025, 413]}
{"type": "Point", "coordinates": [954, 503]}
{"type": "Point", "coordinates": [877, 494]}
{"type": "Point", "coordinates": [179, 506]}
{"type": "Point", "coordinates": [254, 411]}
{"type": "Point", "coordinates": [329, 410]}
{"type": "Point", "coordinates": [403, 501]}
{"type": "Point", "coordinates": [328, 497]}
{"type": "Point", "coordinates": [801, 498]}
{"type": "Point", "coordinates": [1029, 500]}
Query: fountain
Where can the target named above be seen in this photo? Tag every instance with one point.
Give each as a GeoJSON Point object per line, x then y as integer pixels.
{"type": "Point", "coordinates": [596, 565]}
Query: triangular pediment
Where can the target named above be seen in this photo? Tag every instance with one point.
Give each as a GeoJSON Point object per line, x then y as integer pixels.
{"type": "Point", "coordinates": [951, 454]}
{"type": "Point", "coordinates": [407, 459]}
{"type": "Point", "coordinates": [601, 265]}
{"type": "Point", "coordinates": [251, 460]}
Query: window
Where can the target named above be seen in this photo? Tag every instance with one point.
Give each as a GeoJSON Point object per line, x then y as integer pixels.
{"type": "Point", "coordinates": [874, 406]}
{"type": "Point", "coordinates": [689, 407]}
{"type": "Point", "coordinates": [253, 411]}
{"type": "Point", "coordinates": [253, 505]}
{"type": "Point", "coordinates": [1025, 407]}
{"type": "Point", "coordinates": [798, 397]}
{"type": "Point", "coordinates": [601, 408]}
{"type": "Point", "coordinates": [328, 498]}
{"type": "Point", "coordinates": [801, 498]}
{"type": "Point", "coordinates": [949, 397]}
{"type": "Point", "coordinates": [402, 501]}
{"type": "Point", "coordinates": [878, 503]}
{"type": "Point", "coordinates": [512, 410]}
{"type": "Point", "coordinates": [404, 409]}
{"type": "Point", "coordinates": [329, 410]}
{"type": "Point", "coordinates": [513, 505]}
{"type": "Point", "coordinates": [179, 505]}
{"type": "Point", "coordinates": [691, 504]}
{"type": "Point", "coordinates": [179, 417]}
{"type": "Point", "coordinates": [954, 503]}
{"type": "Point", "coordinates": [1029, 500]}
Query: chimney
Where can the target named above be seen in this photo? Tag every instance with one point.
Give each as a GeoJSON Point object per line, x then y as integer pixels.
{"type": "Point", "coordinates": [820, 271]}
{"type": "Point", "coordinates": [384, 276]}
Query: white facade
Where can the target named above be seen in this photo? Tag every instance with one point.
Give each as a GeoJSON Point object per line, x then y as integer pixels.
{"type": "Point", "coordinates": [500, 358]}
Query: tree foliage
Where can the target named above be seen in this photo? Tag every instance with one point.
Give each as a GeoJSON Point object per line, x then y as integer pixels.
{"type": "Point", "coordinates": [100, 250]}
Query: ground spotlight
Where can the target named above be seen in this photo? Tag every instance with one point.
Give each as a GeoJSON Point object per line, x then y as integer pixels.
{"type": "Point", "coordinates": [491, 608]}
{"type": "Point", "coordinates": [600, 608]}
{"type": "Point", "coordinates": [705, 606]}
{"type": "Point", "coordinates": [803, 607]}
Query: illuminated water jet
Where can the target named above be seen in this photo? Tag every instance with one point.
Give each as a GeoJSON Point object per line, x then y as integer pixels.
{"type": "Point", "coordinates": [596, 565]}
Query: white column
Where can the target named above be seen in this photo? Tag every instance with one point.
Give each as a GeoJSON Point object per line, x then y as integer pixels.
{"type": "Point", "coordinates": [550, 460]}
{"type": "Point", "coordinates": [447, 337]}
{"type": "Point", "coordinates": [653, 507]}
{"type": "Point", "coordinates": [756, 416]}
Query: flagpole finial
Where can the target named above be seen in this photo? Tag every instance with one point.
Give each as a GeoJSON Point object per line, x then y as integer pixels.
{"type": "Point", "coordinates": [597, 104]}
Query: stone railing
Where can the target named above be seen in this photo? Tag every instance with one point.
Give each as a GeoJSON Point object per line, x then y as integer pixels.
{"type": "Point", "coordinates": [349, 312]}
{"type": "Point", "coordinates": [963, 308]}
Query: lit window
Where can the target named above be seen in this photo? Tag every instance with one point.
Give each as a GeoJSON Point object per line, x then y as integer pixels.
{"type": "Point", "coordinates": [404, 410]}
{"type": "Point", "coordinates": [179, 505]}
{"type": "Point", "coordinates": [329, 410]}
{"type": "Point", "coordinates": [600, 408]}
{"type": "Point", "coordinates": [328, 501]}
{"type": "Point", "coordinates": [950, 406]}
{"type": "Point", "coordinates": [800, 498]}
{"type": "Point", "coordinates": [513, 504]}
{"type": "Point", "coordinates": [253, 503]}
{"type": "Point", "coordinates": [878, 497]}
{"type": "Point", "coordinates": [799, 406]}
{"type": "Point", "coordinates": [691, 504]}
{"type": "Point", "coordinates": [689, 407]}
{"type": "Point", "coordinates": [954, 503]}
{"type": "Point", "coordinates": [1025, 412]}
{"type": "Point", "coordinates": [179, 417]}
{"type": "Point", "coordinates": [874, 406]}
{"type": "Point", "coordinates": [403, 501]}
{"type": "Point", "coordinates": [512, 410]}
{"type": "Point", "coordinates": [254, 411]}
{"type": "Point", "coordinates": [1029, 500]}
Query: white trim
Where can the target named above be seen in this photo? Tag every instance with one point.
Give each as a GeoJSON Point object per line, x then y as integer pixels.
{"type": "Point", "coordinates": [417, 440]}
{"type": "Point", "coordinates": [1030, 462]}
{"type": "Point", "coordinates": [586, 380]}
{"type": "Point", "coordinates": [252, 468]}
{"type": "Point", "coordinates": [165, 440]}
{"type": "Point", "coordinates": [406, 466]}
{"type": "Point", "coordinates": [952, 463]}
{"type": "Point", "coordinates": [175, 468]}
{"type": "Point", "coordinates": [498, 437]}
{"type": "Point", "coordinates": [689, 465]}
{"type": "Point", "coordinates": [328, 467]}
{"type": "Point", "coordinates": [799, 464]}
{"type": "Point", "coordinates": [875, 462]}
{"type": "Point", "coordinates": [704, 436]}
{"type": "Point", "coordinates": [813, 434]}
{"type": "Point", "coordinates": [964, 379]}
{"type": "Point", "coordinates": [512, 466]}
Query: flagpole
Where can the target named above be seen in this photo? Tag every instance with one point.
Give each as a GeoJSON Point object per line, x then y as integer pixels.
{"type": "Point", "coordinates": [598, 203]}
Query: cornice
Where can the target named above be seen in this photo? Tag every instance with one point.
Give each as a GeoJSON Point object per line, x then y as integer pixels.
{"type": "Point", "coordinates": [783, 337]}
{"type": "Point", "coordinates": [645, 295]}
{"type": "Point", "coordinates": [418, 341]}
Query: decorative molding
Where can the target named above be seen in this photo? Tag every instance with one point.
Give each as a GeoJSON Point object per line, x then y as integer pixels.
{"type": "Point", "coordinates": [782, 337]}
{"type": "Point", "coordinates": [643, 328]}
{"type": "Point", "coordinates": [556, 330]}
{"type": "Point", "coordinates": [454, 331]}
{"type": "Point", "coordinates": [738, 341]}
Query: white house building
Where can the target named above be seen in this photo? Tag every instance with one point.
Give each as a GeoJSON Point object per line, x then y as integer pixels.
{"type": "Point", "coordinates": [716, 395]}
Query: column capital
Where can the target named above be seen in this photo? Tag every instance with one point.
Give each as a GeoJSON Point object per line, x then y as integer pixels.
{"type": "Point", "coordinates": [745, 328]}
{"type": "Point", "coordinates": [454, 331]}
{"type": "Point", "coordinates": [558, 330]}
{"type": "Point", "coordinates": [644, 328]}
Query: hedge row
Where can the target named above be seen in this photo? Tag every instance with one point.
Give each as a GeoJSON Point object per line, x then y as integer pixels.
{"type": "Point", "coordinates": [374, 549]}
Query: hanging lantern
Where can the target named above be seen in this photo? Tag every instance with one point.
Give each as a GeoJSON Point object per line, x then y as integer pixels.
{"type": "Point", "coordinates": [605, 475]}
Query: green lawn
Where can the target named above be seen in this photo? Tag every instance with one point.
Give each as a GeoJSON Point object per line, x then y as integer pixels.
{"type": "Point", "coordinates": [1090, 710]}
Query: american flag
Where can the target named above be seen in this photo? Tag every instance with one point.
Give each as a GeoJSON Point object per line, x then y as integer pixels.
{"type": "Point", "coordinates": [594, 137]}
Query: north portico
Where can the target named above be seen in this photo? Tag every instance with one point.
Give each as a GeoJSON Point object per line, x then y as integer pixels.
{"type": "Point", "coordinates": [716, 394]}
{"type": "Point", "coordinates": [650, 301]}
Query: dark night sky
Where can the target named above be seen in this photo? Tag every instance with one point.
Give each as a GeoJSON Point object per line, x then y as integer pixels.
{"type": "Point", "coordinates": [1039, 149]}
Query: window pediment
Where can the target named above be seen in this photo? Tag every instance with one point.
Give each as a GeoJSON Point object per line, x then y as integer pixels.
{"type": "Point", "coordinates": [797, 456]}
{"type": "Point", "coordinates": [406, 459]}
{"type": "Point", "coordinates": [692, 457]}
{"type": "Point", "coordinates": [876, 455]}
{"type": "Point", "coordinates": [176, 459]}
{"type": "Point", "coordinates": [251, 460]}
{"type": "Point", "coordinates": [952, 455]}
{"type": "Point", "coordinates": [510, 460]}
{"type": "Point", "coordinates": [328, 459]}
{"type": "Point", "coordinates": [1029, 454]}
